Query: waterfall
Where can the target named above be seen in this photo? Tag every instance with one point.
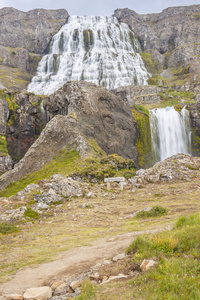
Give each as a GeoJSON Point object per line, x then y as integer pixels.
{"type": "Point", "coordinates": [96, 49]}
{"type": "Point", "coordinates": [170, 132]}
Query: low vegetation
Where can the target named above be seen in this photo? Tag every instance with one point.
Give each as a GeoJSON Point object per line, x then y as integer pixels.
{"type": "Point", "coordinates": [3, 146]}
{"type": "Point", "coordinates": [143, 142]}
{"type": "Point", "coordinates": [153, 212]}
{"type": "Point", "coordinates": [176, 274]}
{"type": "Point", "coordinates": [6, 228]}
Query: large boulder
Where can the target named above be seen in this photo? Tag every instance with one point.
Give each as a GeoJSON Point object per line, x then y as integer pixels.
{"type": "Point", "coordinates": [89, 112]}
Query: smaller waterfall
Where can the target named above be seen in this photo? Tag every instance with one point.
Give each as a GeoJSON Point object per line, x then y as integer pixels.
{"type": "Point", "coordinates": [170, 132]}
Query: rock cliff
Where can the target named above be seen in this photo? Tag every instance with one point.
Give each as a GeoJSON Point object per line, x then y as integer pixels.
{"type": "Point", "coordinates": [86, 112]}
{"type": "Point", "coordinates": [170, 37]}
{"type": "Point", "coordinates": [24, 38]}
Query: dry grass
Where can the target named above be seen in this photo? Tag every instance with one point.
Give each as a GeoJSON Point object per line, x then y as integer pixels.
{"type": "Point", "coordinates": [108, 214]}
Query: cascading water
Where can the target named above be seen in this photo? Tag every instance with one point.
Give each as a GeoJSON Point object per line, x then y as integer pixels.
{"type": "Point", "coordinates": [170, 132]}
{"type": "Point", "coordinates": [96, 49]}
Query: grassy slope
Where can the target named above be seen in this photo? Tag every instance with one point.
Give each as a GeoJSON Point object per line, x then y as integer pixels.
{"type": "Point", "coordinates": [177, 272]}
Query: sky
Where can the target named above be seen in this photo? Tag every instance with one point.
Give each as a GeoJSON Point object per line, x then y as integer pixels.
{"type": "Point", "coordinates": [101, 7]}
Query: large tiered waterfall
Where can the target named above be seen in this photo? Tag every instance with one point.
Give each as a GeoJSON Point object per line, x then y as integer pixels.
{"type": "Point", "coordinates": [170, 132]}
{"type": "Point", "coordinates": [96, 49]}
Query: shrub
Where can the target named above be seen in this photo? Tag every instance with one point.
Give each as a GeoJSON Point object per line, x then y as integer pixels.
{"type": "Point", "coordinates": [32, 214]}
{"type": "Point", "coordinates": [8, 228]}
{"type": "Point", "coordinates": [87, 290]}
{"type": "Point", "coordinates": [154, 212]}
{"type": "Point", "coordinates": [164, 243]}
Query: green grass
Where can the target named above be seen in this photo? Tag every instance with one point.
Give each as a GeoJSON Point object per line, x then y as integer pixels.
{"type": "Point", "coordinates": [63, 164]}
{"type": "Point", "coordinates": [8, 228]}
{"type": "Point", "coordinates": [3, 146]}
{"type": "Point", "coordinates": [156, 211]}
{"type": "Point", "coordinates": [31, 214]}
{"type": "Point", "coordinates": [87, 291]}
{"type": "Point", "coordinates": [177, 274]}
{"type": "Point", "coordinates": [96, 166]}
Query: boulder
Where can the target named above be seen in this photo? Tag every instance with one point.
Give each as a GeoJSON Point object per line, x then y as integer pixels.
{"type": "Point", "coordinates": [61, 289]}
{"type": "Point", "coordinates": [147, 264]}
{"type": "Point", "coordinates": [90, 113]}
{"type": "Point", "coordinates": [119, 257]}
{"type": "Point", "coordinates": [75, 284]}
{"type": "Point", "coordinates": [62, 185]}
{"type": "Point", "coordinates": [38, 293]}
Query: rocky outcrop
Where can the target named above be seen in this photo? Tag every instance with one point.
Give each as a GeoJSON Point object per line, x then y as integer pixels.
{"type": "Point", "coordinates": [4, 115]}
{"type": "Point", "coordinates": [173, 27]}
{"type": "Point", "coordinates": [6, 163]}
{"type": "Point", "coordinates": [30, 30]}
{"type": "Point", "coordinates": [175, 168]}
{"type": "Point", "coordinates": [174, 31]}
{"type": "Point", "coordinates": [195, 122]}
{"type": "Point", "coordinates": [89, 112]}
{"type": "Point", "coordinates": [24, 38]}
{"type": "Point", "coordinates": [139, 94]}
{"type": "Point", "coordinates": [25, 123]}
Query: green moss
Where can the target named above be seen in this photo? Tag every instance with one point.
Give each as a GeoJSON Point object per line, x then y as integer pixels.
{"type": "Point", "coordinates": [143, 142]}
{"type": "Point", "coordinates": [76, 35]}
{"type": "Point", "coordinates": [31, 214]}
{"type": "Point", "coordinates": [132, 38]}
{"type": "Point", "coordinates": [152, 65]}
{"type": "Point", "coordinates": [3, 146]}
{"type": "Point", "coordinates": [14, 79]}
{"type": "Point", "coordinates": [61, 42]}
{"type": "Point", "coordinates": [195, 139]}
{"type": "Point", "coordinates": [33, 62]}
{"type": "Point", "coordinates": [157, 80]}
{"type": "Point", "coordinates": [88, 39]}
{"type": "Point", "coordinates": [97, 168]}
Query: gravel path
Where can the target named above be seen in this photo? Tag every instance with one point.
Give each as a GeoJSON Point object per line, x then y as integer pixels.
{"type": "Point", "coordinates": [71, 263]}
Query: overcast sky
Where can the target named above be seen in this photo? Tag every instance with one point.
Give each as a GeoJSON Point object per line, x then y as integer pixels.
{"type": "Point", "coordinates": [101, 7]}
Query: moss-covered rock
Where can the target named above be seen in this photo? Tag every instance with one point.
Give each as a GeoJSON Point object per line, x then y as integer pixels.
{"type": "Point", "coordinates": [88, 39]}
{"type": "Point", "coordinates": [143, 142]}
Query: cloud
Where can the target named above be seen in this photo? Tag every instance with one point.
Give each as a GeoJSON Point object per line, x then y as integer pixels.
{"type": "Point", "coordinates": [103, 7]}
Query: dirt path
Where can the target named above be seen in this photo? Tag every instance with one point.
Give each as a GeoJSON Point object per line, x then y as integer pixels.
{"type": "Point", "coordinates": [71, 263]}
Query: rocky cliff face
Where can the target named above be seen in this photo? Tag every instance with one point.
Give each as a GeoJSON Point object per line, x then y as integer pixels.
{"type": "Point", "coordinates": [171, 36]}
{"type": "Point", "coordinates": [86, 112]}
{"type": "Point", "coordinates": [30, 30]}
{"type": "Point", "coordinates": [24, 38]}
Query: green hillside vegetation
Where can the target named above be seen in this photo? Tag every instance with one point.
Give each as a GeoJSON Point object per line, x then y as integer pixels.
{"type": "Point", "coordinates": [176, 274]}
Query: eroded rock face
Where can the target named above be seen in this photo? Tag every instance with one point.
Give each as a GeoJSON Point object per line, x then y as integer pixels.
{"type": "Point", "coordinates": [6, 163]}
{"type": "Point", "coordinates": [4, 114]}
{"type": "Point", "coordinates": [30, 30]}
{"type": "Point", "coordinates": [173, 27]}
{"type": "Point", "coordinates": [24, 124]}
{"type": "Point", "coordinates": [89, 112]}
{"type": "Point", "coordinates": [139, 94]}
{"type": "Point", "coordinates": [164, 31]}
{"type": "Point", "coordinates": [24, 38]}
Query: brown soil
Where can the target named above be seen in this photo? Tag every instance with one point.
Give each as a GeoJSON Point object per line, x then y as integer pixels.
{"type": "Point", "coordinates": [71, 263]}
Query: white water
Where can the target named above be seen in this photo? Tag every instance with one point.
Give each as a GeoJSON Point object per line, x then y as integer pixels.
{"type": "Point", "coordinates": [96, 49]}
{"type": "Point", "coordinates": [170, 132]}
